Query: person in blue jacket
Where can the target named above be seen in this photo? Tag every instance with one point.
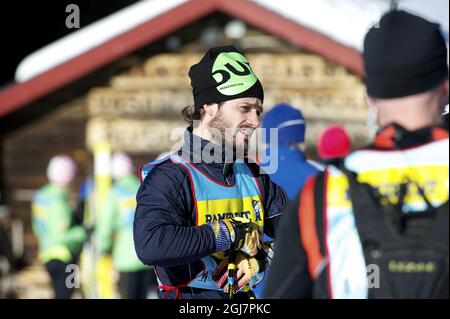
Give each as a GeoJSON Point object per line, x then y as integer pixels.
{"type": "Point", "coordinates": [205, 206]}
{"type": "Point", "coordinates": [293, 168]}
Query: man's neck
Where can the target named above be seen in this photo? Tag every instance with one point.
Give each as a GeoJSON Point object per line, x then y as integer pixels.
{"type": "Point", "coordinates": [204, 133]}
{"type": "Point", "coordinates": [412, 113]}
{"type": "Point", "coordinates": [414, 124]}
{"type": "Point", "coordinates": [200, 149]}
{"type": "Point", "coordinates": [219, 151]}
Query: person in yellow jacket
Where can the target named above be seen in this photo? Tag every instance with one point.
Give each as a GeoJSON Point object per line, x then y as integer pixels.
{"type": "Point", "coordinates": [115, 230]}
{"type": "Point", "coordinates": [59, 241]}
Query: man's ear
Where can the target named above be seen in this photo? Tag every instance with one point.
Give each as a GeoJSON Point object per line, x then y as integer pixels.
{"type": "Point", "coordinates": [446, 87]}
{"type": "Point", "coordinates": [211, 109]}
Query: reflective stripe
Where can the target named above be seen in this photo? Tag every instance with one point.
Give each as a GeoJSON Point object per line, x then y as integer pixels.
{"type": "Point", "coordinates": [435, 153]}
{"type": "Point", "coordinates": [291, 123]}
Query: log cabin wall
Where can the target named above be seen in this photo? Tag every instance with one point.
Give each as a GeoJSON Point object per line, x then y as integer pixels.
{"type": "Point", "coordinates": [140, 112]}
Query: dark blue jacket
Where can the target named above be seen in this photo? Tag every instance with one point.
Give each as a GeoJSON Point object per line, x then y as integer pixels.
{"type": "Point", "coordinates": [165, 234]}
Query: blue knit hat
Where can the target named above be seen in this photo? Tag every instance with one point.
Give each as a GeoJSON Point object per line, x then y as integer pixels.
{"type": "Point", "coordinates": [289, 121]}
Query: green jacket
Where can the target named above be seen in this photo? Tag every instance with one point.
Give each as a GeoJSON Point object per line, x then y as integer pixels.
{"type": "Point", "coordinates": [52, 224]}
{"type": "Point", "coordinates": [114, 226]}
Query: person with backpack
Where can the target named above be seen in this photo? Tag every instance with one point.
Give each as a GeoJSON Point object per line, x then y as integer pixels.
{"type": "Point", "coordinates": [375, 225]}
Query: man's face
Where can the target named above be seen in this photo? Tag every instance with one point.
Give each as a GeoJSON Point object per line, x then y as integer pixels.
{"type": "Point", "coordinates": [236, 120]}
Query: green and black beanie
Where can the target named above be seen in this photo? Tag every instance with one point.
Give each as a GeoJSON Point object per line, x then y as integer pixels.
{"type": "Point", "coordinates": [223, 74]}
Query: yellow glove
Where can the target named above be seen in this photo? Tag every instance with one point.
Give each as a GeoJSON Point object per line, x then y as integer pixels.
{"type": "Point", "coordinates": [246, 268]}
{"type": "Point", "coordinates": [244, 235]}
{"type": "Point", "coordinates": [237, 234]}
{"type": "Point", "coordinates": [248, 236]}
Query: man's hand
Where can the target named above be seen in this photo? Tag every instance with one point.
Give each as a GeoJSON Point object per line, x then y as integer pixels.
{"type": "Point", "coordinates": [246, 268]}
{"type": "Point", "coordinates": [238, 234]}
{"type": "Point", "coordinates": [248, 236]}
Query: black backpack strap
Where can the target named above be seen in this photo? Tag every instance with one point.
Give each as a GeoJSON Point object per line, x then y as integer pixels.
{"type": "Point", "coordinates": [369, 200]}
{"type": "Point", "coordinates": [368, 206]}
{"type": "Point", "coordinates": [393, 238]}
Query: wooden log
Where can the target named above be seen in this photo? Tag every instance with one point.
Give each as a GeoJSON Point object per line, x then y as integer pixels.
{"type": "Point", "coordinates": [113, 102]}
{"type": "Point", "coordinates": [135, 135]}
{"type": "Point", "coordinates": [318, 102]}
{"type": "Point", "coordinates": [170, 71]}
{"type": "Point", "coordinates": [170, 64]}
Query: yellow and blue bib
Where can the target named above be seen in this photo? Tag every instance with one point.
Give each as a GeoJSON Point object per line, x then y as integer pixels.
{"type": "Point", "coordinates": [215, 201]}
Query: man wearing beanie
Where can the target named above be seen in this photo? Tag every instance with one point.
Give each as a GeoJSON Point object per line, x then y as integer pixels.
{"type": "Point", "coordinates": [293, 168]}
{"type": "Point", "coordinates": [375, 225]}
{"type": "Point", "coordinates": [204, 207]}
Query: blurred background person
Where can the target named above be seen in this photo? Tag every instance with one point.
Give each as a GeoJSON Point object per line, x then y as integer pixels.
{"type": "Point", "coordinates": [376, 226]}
{"type": "Point", "coordinates": [333, 143]}
{"type": "Point", "coordinates": [59, 241]}
{"type": "Point", "coordinates": [115, 231]}
{"type": "Point", "coordinates": [293, 167]}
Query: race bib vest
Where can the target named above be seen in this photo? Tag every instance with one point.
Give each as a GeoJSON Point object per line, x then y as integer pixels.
{"type": "Point", "coordinates": [215, 202]}
{"type": "Point", "coordinates": [48, 248]}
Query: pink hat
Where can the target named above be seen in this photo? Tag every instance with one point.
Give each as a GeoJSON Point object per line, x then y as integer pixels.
{"type": "Point", "coordinates": [61, 170]}
{"type": "Point", "coordinates": [333, 142]}
{"type": "Point", "coordinates": [122, 165]}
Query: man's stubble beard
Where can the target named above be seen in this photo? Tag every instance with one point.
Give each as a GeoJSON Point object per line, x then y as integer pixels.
{"type": "Point", "coordinates": [224, 133]}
